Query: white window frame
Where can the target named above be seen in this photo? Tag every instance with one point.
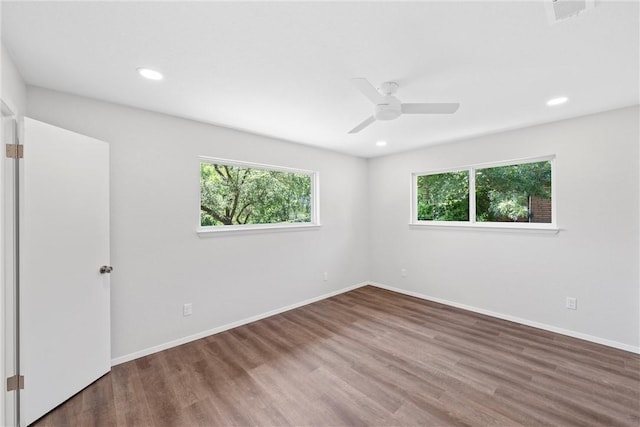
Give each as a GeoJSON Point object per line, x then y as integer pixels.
{"type": "Point", "coordinates": [472, 223]}
{"type": "Point", "coordinates": [315, 199]}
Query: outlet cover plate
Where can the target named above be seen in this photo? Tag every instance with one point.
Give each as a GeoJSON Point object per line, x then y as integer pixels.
{"type": "Point", "coordinates": [187, 309]}
{"type": "Point", "coordinates": [572, 303]}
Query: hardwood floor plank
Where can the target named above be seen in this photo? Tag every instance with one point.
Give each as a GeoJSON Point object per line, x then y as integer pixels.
{"type": "Point", "coordinates": [158, 385]}
{"type": "Point", "coordinates": [368, 357]}
{"type": "Point", "coordinates": [129, 398]}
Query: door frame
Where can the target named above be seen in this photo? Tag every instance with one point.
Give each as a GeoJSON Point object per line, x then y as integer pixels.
{"type": "Point", "coordinates": [9, 257]}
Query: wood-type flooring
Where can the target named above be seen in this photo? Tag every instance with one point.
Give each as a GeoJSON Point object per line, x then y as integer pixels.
{"type": "Point", "coordinates": [368, 357]}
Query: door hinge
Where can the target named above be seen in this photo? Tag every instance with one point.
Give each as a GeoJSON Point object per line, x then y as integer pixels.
{"type": "Point", "coordinates": [15, 382]}
{"type": "Point", "coordinates": [15, 151]}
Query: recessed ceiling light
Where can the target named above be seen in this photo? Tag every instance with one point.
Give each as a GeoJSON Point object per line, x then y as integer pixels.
{"type": "Point", "coordinates": [150, 74]}
{"type": "Point", "coordinates": [381, 143]}
{"type": "Point", "coordinates": [557, 101]}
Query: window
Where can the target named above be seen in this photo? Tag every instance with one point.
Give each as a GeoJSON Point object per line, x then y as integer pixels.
{"type": "Point", "coordinates": [513, 194]}
{"type": "Point", "coordinates": [239, 195]}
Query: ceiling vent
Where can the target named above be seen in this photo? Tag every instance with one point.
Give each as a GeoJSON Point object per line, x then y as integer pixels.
{"type": "Point", "coordinates": [559, 10]}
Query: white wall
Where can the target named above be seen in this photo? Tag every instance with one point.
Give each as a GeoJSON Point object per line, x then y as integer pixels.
{"type": "Point", "coordinates": [159, 261]}
{"type": "Point", "coordinates": [13, 94]}
{"type": "Point", "coordinates": [522, 275]}
{"type": "Point", "coordinates": [14, 91]}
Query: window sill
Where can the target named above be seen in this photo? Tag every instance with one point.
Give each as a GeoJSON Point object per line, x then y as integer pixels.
{"type": "Point", "coordinates": [258, 228]}
{"type": "Point", "coordinates": [497, 227]}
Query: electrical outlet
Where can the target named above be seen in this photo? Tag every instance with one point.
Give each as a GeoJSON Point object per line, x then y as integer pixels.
{"type": "Point", "coordinates": [187, 309]}
{"type": "Point", "coordinates": [403, 272]}
{"type": "Point", "coordinates": [572, 303]}
{"type": "Point", "coordinates": [325, 276]}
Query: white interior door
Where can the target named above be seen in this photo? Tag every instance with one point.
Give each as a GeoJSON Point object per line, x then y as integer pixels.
{"type": "Point", "coordinates": [65, 324]}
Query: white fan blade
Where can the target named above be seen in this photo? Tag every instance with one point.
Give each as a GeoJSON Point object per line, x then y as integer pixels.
{"type": "Point", "coordinates": [430, 108]}
{"type": "Point", "coordinates": [363, 125]}
{"type": "Point", "coordinates": [367, 90]}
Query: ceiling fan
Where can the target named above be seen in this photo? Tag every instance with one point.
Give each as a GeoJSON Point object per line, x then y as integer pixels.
{"type": "Point", "coordinates": [388, 107]}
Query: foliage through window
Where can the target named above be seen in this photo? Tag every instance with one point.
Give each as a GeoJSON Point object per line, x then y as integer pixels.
{"type": "Point", "coordinates": [443, 197]}
{"type": "Point", "coordinates": [236, 194]}
{"type": "Point", "coordinates": [515, 193]}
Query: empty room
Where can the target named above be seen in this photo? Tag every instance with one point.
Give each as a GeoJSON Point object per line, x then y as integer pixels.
{"type": "Point", "coordinates": [320, 213]}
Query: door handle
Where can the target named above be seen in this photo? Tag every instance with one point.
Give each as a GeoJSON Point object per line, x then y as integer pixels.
{"type": "Point", "coordinates": [106, 269]}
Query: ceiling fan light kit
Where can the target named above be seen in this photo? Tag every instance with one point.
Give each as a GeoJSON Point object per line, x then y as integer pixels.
{"type": "Point", "coordinates": [390, 110]}
{"type": "Point", "coordinates": [388, 107]}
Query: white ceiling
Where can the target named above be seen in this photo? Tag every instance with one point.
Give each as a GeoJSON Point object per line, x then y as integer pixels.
{"type": "Point", "coordinates": [283, 69]}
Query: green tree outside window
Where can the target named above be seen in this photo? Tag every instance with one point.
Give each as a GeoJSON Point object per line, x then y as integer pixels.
{"type": "Point", "coordinates": [509, 193]}
{"type": "Point", "coordinates": [235, 195]}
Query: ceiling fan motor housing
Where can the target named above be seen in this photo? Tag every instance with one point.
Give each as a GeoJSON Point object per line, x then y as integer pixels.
{"type": "Point", "coordinates": [389, 109]}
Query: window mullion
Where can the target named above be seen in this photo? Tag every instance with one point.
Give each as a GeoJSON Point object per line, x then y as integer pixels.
{"type": "Point", "coordinates": [414, 198]}
{"type": "Point", "coordinates": [472, 195]}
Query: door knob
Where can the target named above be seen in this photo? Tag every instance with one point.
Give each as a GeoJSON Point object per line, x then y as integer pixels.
{"type": "Point", "coordinates": [106, 269]}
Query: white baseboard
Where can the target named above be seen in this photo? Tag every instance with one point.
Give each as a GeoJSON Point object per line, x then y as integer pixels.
{"type": "Point", "coordinates": [543, 326]}
{"type": "Point", "coordinates": [184, 340]}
